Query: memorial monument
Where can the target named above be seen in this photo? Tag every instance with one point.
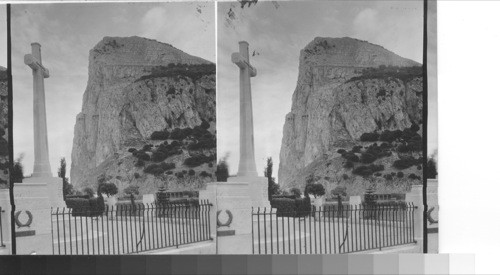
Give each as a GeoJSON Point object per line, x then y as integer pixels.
{"type": "Point", "coordinates": [36, 195]}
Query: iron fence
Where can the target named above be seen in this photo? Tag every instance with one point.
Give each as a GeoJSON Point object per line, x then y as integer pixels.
{"type": "Point", "coordinates": [333, 229]}
{"type": "Point", "coordinates": [126, 229]}
{"type": "Point", "coordinates": [1, 228]}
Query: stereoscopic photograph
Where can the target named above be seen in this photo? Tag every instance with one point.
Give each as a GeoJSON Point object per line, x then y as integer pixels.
{"type": "Point", "coordinates": [331, 113]}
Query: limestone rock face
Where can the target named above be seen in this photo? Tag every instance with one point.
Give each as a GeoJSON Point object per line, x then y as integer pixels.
{"type": "Point", "coordinates": [136, 86]}
{"type": "Point", "coordinates": [336, 101]}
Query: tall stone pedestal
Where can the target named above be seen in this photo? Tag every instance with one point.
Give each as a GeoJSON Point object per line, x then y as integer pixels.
{"type": "Point", "coordinates": [232, 210]}
{"type": "Point", "coordinates": [257, 188]}
{"type": "Point", "coordinates": [415, 196]}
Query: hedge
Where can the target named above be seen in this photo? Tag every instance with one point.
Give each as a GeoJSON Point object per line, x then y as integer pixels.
{"type": "Point", "coordinates": [286, 207]}
{"type": "Point", "coordinates": [92, 207]}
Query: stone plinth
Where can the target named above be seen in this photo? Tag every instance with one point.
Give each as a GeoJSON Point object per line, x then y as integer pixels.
{"type": "Point", "coordinates": [257, 188]}
{"type": "Point", "coordinates": [232, 212]}
{"type": "Point", "coordinates": [54, 189]}
{"type": "Point", "coordinates": [5, 216]}
{"type": "Point", "coordinates": [354, 200]}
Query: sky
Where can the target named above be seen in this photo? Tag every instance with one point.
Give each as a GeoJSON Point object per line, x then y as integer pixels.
{"type": "Point", "coordinates": [67, 32]}
{"type": "Point", "coordinates": [278, 31]}
{"type": "Point", "coordinates": [3, 36]}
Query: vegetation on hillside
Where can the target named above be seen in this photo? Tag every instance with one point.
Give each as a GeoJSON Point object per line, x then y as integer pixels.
{"type": "Point", "coordinates": [385, 72]}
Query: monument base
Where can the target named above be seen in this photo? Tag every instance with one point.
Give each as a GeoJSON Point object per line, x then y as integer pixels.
{"type": "Point", "coordinates": [258, 189]}
{"type": "Point", "coordinates": [54, 189]}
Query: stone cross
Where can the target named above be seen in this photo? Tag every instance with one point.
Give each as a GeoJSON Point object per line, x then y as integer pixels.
{"type": "Point", "coordinates": [34, 61]}
{"type": "Point", "coordinates": [247, 157]}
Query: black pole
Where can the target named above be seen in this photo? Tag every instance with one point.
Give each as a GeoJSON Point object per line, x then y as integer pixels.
{"type": "Point", "coordinates": [424, 128]}
{"type": "Point", "coordinates": [11, 136]}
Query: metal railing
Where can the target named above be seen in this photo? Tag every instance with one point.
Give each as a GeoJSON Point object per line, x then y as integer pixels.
{"type": "Point", "coordinates": [1, 228]}
{"type": "Point", "coordinates": [126, 229]}
{"type": "Point", "coordinates": [332, 229]}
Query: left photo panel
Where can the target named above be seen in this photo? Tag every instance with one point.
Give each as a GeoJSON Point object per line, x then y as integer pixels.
{"type": "Point", "coordinates": [114, 108]}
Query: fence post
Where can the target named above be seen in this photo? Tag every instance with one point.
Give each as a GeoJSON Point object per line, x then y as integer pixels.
{"type": "Point", "coordinates": [416, 198]}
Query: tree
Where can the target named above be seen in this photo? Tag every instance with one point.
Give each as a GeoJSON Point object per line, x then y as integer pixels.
{"type": "Point", "coordinates": [67, 187]}
{"type": "Point", "coordinates": [18, 169]}
{"type": "Point", "coordinates": [315, 189]}
{"type": "Point", "coordinates": [296, 192]}
{"type": "Point", "coordinates": [132, 191]}
{"type": "Point", "coordinates": [89, 191]}
{"type": "Point", "coordinates": [431, 168]}
{"type": "Point", "coordinates": [272, 187]}
{"type": "Point", "coordinates": [108, 188]}
{"type": "Point", "coordinates": [222, 171]}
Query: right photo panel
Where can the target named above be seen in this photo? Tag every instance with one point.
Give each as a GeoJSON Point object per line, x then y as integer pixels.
{"type": "Point", "coordinates": [325, 102]}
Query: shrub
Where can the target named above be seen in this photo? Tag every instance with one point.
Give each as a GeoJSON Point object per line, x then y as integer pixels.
{"type": "Point", "coordinates": [341, 151]}
{"type": "Point", "coordinates": [351, 157]}
{"type": "Point", "coordinates": [400, 174]}
{"type": "Point", "coordinates": [197, 160]}
{"type": "Point", "coordinates": [362, 171]}
{"type": "Point", "coordinates": [345, 176]}
{"type": "Point", "coordinates": [167, 165]}
{"type": "Point", "coordinates": [339, 191]}
{"type": "Point", "coordinates": [109, 189]}
{"type": "Point", "coordinates": [348, 165]}
{"type": "Point", "coordinates": [89, 191]}
{"type": "Point", "coordinates": [222, 171]}
{"type": "Point", "coordinates": [378, 174]}
{"type": "Point", "coordinates": [131, 150]}
{"type": "Point", "coordinates": [315, 189]}
{"type": "Point", "coordinates": [367, 158]}
{"type": "Point", "coordinates": [154, 169]}
{"type": "Point", "coordinates": [295, 192]}
{"type": "Point", "coordinates": [205, 124]}
{"type": "Point", "coordinates": [388, 176]}
{"type": "Point", "coordinates": [137, 175]}
{"type": "Point", "coordinates": [414, 177]}
{"type": "Point", "coordinates": [203, 143]}
{"type": "Point", "coordinates": [205, 174]}
{"type": "Point", "coordinates": [431, 168]}
{"type": "Point", "coordinates": [390, 136]}
{"type": "Point", "coordinates": [287, 207]}
{"type": "Point", "coordinates": [139, 163]}
{"type": "Point", "coordinates": [356, 149]}
{"type": "Point", "coordinates": [404, 163]}
{"type": "Point", "coordinates": [179, 175]}
{"type": "Point", "coordinates": [141, 155]}
{"type": "Point", "coordinates": [369, 137]}
{"type": "Point", "coordinates": [158, 156]}
{"type": "Point", "coordinates": [180, 134]}
{"type": "Point", "coordinates": [160, 135]}
{"type": "Point", "coordinates": [147, 147]}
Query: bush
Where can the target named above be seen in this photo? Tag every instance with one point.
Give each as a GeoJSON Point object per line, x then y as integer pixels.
{"type": "Point", "coordinates": [367, 158]}
{"type": "Point", "coordinates": [139, 163]}
{"type": "Point", "coordinates": [388, 176]}
{"type": "Point", "coordinates": [339, 191]}
{"type": "Point", "coordinates": [131, 150]}
{"type": "Point", "coordinates": [369, 137]}
{"type": "Point", "coordinates": [351, 157]}
{"type": "Point", "coordinates": [414, 177]}
{"type": "Point", "coordinates": [341, 151]}
{"type": "Point", "coordinates": [348, 165]}
{"type": "Point", "coordinates": [362, 170]}
{"type": "Point", "coordinates": [147, 147]}
{"type": "Point", "coordinates": [131, 190]}
{"type": "Point", "coordinates": [203, 143]}
{"type": "Point", "coordinates": [400, 174]}
{"type": "Point", "coordinates": [141, 155]}
{"type": "Point", "coordinates": [205, 174]}
{"type": "Point", "coordinates": [356, 149]}
{"type": "Point", "coordinates": [345, 176]}
{"type": "Point", "coordinates": [205, 124]}
{"type": "Point", "coordinates": [167, 165]}
{"type": "Point", "coordinates": [160, 135]}
{"type": "Point", "coordinates": [287, 207]}
{"type": "Point", "coordinates": [179, 175]}
{"type": "Point", "coordinates": [89, 191]}
{"type": "Point", "coordinates": [222, 171]}
{"type": "Point", "coordinates": [180, 134]}
{"type": "Point", "coordinates": [295, 192]}
{"type": "Point", "coordinates": [390, 136]}
{"type": "Point", "coordinates": [197, 160]}
{"type": "Point", "coordinates": [315, 189]}
{"type": "Point", "coordinates": [109, 189]}
{"type": "Point", "coordinates": [154, 169]}
{"type": "Point", "coordinates": [92, 207]}
{"type": "Point", "coordinates": [404, 163]}
{"type": "Point", "coordinates": [158, 156]}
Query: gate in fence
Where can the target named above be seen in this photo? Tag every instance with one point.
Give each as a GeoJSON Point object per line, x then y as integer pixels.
{"type": "Point", "coordinates": [126, 229]}
{"type": "Point", "coordinates": [332, 229]}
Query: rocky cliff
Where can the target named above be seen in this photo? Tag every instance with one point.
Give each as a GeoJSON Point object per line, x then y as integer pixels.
{"type": "Point", "coordinates": [347, 88]}
{"type": "Point", "coordinates": [139, 88]}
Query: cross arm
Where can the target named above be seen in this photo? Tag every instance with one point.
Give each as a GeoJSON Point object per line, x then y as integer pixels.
{"type": "Point", "coordinates": [241, 62]}
{"type": "Point", "coordinates": [34, 64]}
